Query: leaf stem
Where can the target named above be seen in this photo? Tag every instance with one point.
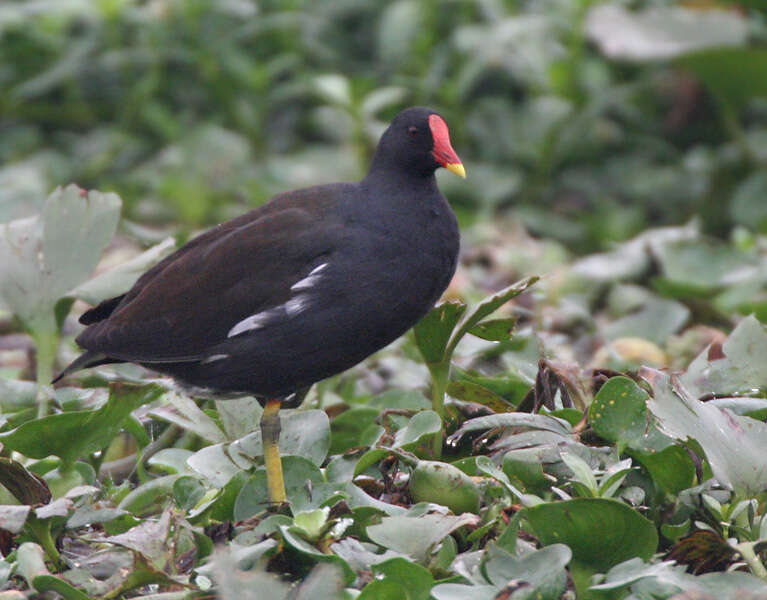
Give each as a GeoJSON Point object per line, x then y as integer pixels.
{"type": "Point", "coordinates": [746, 550]}
{"type": "Point", "coordinates": [440, 373]}
{"type": "Point", "coordinates": [46, 343]}
{"type": "Point", "coordinates": [42, 532]}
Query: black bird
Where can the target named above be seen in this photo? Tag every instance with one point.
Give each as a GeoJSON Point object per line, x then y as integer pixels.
{"type": "Point", "coordinates": [298, 289]}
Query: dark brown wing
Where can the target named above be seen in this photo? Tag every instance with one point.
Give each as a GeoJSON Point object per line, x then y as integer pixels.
{"type": "Point", "coordinates": [190, 301]}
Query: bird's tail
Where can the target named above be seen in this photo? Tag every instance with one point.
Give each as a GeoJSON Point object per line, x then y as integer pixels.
{"type": "Point", "coordinates": [84, 361]}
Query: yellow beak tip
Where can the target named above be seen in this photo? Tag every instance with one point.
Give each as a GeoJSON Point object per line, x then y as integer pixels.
{"type": "Point", "coordinates": [456, 168]}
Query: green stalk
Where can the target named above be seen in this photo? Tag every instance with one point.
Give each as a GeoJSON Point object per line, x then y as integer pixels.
{"type": "Point", "coordinates": [41, 530]}
{"type": "Point", "coordinates": [46, 343]}
{"type": "Point", "coordinates": [746, 550]}
{"type": "Point", "coordinates": [440, 373]}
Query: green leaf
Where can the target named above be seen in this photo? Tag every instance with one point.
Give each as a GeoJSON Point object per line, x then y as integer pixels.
{"type": "Point", "coordinates": [543, 570]}
{"type": "Point", "coordinates": [13, 517]}
{"type": "Point", "coordinates": [121, 278]}
{"type": "Point", "coordinates": [487, 307]}
{"type": "Point", "coordinates": [494, 330]}
{"type": "Point", "coordinates": [619, 414]}
{"type": "Point", "coordinates": [414, 579]}
{"type": "Point", "coordinates": [311, 523]}
{"type": "Point", "coordinates": [600, 532]}
{"type": "Point", "coordinates": [297, 471]}
{"type": "Point", "coordinates": [671, 469]}
{"type": "Point", "coordinates": [662, 32]}
{"type": "Point", "coordinates": [472, 392]}
{"type": "Point", "coordinates": [432, 333]}
{"type": "Point", "coordinates": [303, 433]}
{"type": "Point", "coordinates": [416, 536]}
{"type": "Point", "coordinates": [347, 427]}
{"type": "Point", "coordinates": [717, 431]}
{"type": "Point", "coordinates": [733, 75]}
{"type": "Point", "coordinates": [42, 258]}
{"type": "Point", "coordinates": [420, 426]}
{"type": "Point", "coordinates": [71, 435]}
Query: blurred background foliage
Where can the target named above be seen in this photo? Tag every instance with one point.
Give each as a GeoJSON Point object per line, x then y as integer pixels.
{"type": "Point", "coordinates": [588, 122]}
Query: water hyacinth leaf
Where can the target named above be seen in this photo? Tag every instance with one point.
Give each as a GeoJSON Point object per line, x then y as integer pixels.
{"type": "Point", "coordinates": [303, 433]}
{"type": "Point", "coordinates": [542, 422]}
{"type": "Point", "coordinates": [346, 429]}
{"type": "Point", "coordinates": [543, 570]}
{"type": "Point", "coordinates": [421, 425]}
{"type": "Point", "coordinates": [662, 32]}
{"type": "Point", "coordinates": [671, 469]}
{"type": "Point", "coordinates": [13, 517]}
{"type": "Point", "coordinates": [44, 257]}
{"type": "Point", "coordinates": [171, 460]}
{"type": "Point", "coordinates": [416, 536]}
{"type": "Point", "coordinates": [415, 580]}
{"type": "Point", "coordinates": [473, 392]}
{"type": "Point", "coordinates": [433, 332]}
{"type": "Point", "coordinates": [301, 477]}
{"type": "Point", "coordinates": [655, 321]}
{"type": "Point", "coordinates": [182, 410]}
{"type": "Point", "coordinates": [121, 278]}
{"type": "Point", "coordinates": [600, 532]}
{"type": "Point", "coordinates": [717, 431]}
{"type": "Point", "coordinates": [70, 435]}
{"type": "Point", "coordinates": [239, 416]}
{"type": "Point", "coordinates": [459, 591]}
{"type": "Point", "coordinates": [740, 371]}
{"type": "Point", "coordinates": [619, 414]}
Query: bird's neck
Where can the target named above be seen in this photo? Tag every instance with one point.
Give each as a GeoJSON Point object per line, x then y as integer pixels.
{"type": "Point", "coordinates": [389, 177]}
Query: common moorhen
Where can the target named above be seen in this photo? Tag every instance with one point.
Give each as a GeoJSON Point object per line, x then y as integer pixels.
{"type": "Point", "coordinates": [298, 289]}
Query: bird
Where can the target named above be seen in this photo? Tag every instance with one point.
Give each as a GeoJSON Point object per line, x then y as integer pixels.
{"type": "Point", "coordinates": [297, 290]}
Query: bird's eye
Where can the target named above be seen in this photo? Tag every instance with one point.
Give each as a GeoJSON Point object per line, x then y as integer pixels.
{"type": "Point", "coordinates": [413, 131]}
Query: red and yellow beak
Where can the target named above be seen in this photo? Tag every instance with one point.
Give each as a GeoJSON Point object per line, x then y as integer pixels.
{"type": "Point", "coordinates": [443, 152]}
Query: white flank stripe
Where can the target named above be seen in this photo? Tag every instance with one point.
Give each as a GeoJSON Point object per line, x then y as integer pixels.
{"type": "Point", "coordinates": [310, 280]}
{"type": "Point", "coordinates": [252, 322]}
{"type": "Point", "coordinates": [214, 358]}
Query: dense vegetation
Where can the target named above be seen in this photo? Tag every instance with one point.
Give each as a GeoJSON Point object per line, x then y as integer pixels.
{"type": "Point", "coordinates": [573, 434]}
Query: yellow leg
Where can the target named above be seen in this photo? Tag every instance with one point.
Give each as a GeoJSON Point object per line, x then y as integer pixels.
{"type": "Point", "coordinates": [270, 437]}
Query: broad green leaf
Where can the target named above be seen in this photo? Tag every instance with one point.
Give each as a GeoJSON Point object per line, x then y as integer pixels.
{"type": "Point", "coordinates": [423, 424]}
{"type": "Point", "coordinates": [662, 32]}
{"type": "Point", "coordinates": [13, 517]}
{"type": "Point", "coordinates": [416, 536]}
{"type": "Point", "coordinates": [239, 416]}
{"type": "Point", "coordinates": [619, 414]}
{"type": "Point", "coordinates": [740, 371]}
{"type": "Point", "coordinates": [297, 471]}
{"type": "Point", "coordinates": [671, 469]}
{"type": "Point", "coordinates": [415, 580]}
{"type": "Point", "coordinates": [184, 412]}
{"type": "Point", "coordinates": [543, 570]}
{"type": "Point", "coordinates": [311, 523]}
{"type": "Point", "coordinates": [600, 532]}
{"type": "Point", "coordinates": [346, 429]}
{"type": "Point", "coordinates": [70, 435]}
{"type": "Point", "coordinates": [303, 433]}
{"type": "Point", "coordinates": [733, 75]}
{"type": "Point", "coordinates": [433, 332]}
{"type": "Point", "coordinates": [43, 257]}
{"type": "Point", "coordinates": [171, 460]}
{"type": "Point", "coordinates": [121, 278]}
{"type": "Point", "coordinates": [717, 431]}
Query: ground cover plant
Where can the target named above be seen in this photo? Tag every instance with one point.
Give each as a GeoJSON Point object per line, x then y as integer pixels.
{"type": "Point", "coordinates": [582, 416]}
